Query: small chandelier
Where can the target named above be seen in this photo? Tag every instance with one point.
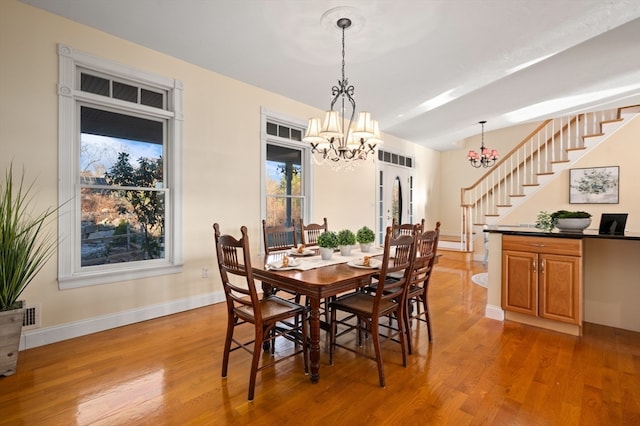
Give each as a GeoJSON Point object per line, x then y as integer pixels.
{"type": "Point", "coordinates": [486, 158]}
{"type": "Point", "coordinates": [338, 142]}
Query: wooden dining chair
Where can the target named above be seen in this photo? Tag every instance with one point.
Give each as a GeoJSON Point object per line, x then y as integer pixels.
{"type": "Point", "coordinates": [406, 228]}
{"type": "Point", "coordinates": [426, 250]}
{"type": "Point", "coordinates": [278, 237]}
{"type": "Point", "coordinates": [270, 316]}
{"type": "Point", "coordinates": [309, 237]}
{"type": "Point", "coordinates": [389, 297]}
{"type": "Point", "coordinates": [309, 233]}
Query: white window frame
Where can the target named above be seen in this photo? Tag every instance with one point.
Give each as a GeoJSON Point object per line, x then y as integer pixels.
{"type": "Point", "coordinates": [308, 172]}
{"type": "Point", "coordinates": [70, 272]}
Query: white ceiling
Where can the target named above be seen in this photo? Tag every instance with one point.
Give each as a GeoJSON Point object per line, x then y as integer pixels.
{"type": "Point", "coordinates": [428, 70]}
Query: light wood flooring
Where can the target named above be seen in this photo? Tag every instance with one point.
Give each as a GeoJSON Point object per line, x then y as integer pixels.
{"type": "Point", "coordinates": [477, 371]}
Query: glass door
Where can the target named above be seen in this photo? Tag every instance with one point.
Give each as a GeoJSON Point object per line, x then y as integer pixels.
{"type": "Point", "coordinates": [395, 197]}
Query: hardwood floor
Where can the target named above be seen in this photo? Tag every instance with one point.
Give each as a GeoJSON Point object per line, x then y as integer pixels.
{"type": "Point", "coordinates": [476, 371]}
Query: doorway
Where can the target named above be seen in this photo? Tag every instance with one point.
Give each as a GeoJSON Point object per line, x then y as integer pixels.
{"type": "Point", "coordinates": [395, 197]}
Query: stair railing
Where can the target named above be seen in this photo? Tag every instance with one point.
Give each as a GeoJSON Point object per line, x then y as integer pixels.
{"type": "Point", "coordinates": [534, 156]}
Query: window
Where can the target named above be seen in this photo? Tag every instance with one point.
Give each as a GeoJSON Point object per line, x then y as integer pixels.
{"type": "Point", "coordinates": [283, 189]}
{"type": "Point", "coordinates": [286, 173]}
{"type": "Point", "coordinates": [120, 141]}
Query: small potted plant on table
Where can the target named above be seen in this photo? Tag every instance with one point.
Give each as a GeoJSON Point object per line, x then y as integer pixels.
{"type": "Point", "coordinates": [327, 241]}
{"type": "Point", "coordinates": [346, 239]}
{"type": "Point", "coordinates": [365, 237]}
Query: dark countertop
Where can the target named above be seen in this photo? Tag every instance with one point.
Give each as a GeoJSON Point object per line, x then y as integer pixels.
{"type": "Point", "coordinates": [534, 232]}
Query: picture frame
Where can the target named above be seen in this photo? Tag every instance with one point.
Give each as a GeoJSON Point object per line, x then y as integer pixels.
{"type": "Point", "coordinates": [594, 185]}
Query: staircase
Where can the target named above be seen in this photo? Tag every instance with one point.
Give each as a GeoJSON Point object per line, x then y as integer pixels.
{"type": "Point", "coordinates": [551, 148]}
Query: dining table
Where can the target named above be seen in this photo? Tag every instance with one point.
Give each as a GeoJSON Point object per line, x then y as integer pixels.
{"type": "Point", "coordinates": [317, 279]}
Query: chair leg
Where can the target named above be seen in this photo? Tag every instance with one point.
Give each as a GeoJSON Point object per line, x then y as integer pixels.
{"type": "Point", "coordinates": [407, 326]}
{"type": "Point", "coordinates": [425, 305]}
{"type": "Point", "coordinates": [271, 333]}
{"type": "Point", "coordinates": [402, 329]}
{"type": "Point", "coordinates": [428, 317]}
{"type": "Point", "coordinates": [227, 346]}
{"type": "Point", "coordinates": [376, 345]}
{"type": "Point", "coordinates": [254, 362]}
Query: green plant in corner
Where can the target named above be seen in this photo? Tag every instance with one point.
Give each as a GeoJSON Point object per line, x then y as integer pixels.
{"type": "Point", "coordinates": [365, 235]}
{"type": "Point", "coordinates": [346, 238]}
{"type": "Point", "coordinates": [328, 239]}
{"type": "Point", "coordinates": [25, 243]}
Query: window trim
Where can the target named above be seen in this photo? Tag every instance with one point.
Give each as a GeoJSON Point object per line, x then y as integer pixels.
{"type": "Point", "coordinates": [70, 273]}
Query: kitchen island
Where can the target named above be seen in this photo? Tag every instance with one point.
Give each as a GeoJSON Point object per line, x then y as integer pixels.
{"type": "Point", "coordinates": [558, 280]}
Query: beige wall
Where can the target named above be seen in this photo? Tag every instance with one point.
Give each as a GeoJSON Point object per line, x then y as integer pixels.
{"type": "Point", "coordinates": [221, 146]}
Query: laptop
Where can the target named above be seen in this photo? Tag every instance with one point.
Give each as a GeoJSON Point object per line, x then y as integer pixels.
{"type": "Point", "coordinates": [612, 223]}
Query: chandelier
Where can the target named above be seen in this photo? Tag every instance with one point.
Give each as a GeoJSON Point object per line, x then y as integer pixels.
{"type": "Point", "coordinates": [335, 140]}
{"type": "Point", "coordinates": [486, 158]}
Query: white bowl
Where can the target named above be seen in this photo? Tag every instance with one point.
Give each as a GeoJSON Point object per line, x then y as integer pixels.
{"type": "Point", "coordinates": [573, 224]}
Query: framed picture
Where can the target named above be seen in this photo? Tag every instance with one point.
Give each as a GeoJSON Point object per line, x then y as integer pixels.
{"type": "Point", "coordinates": [594, 185]}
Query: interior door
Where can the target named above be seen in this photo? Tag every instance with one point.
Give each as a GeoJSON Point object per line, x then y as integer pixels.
{"type": "Point", "coordinates": [395, 197]}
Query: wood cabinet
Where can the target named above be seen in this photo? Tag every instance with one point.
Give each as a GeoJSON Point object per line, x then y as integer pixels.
{"type": "Point", "coordinates": [542, 277]}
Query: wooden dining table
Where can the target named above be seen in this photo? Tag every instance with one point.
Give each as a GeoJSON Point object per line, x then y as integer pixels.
{"type": "Point", "coordinates": [316, 284]}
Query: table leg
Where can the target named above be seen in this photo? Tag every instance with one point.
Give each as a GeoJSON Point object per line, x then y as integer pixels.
{"type": "Point", "coordinates": [314, 353]}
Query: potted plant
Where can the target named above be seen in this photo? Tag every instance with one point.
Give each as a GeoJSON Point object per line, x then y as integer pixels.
{"type": "Point", "coordinates": [328, 242]}
{"type": "Point", "coordinates": [346, 239]}
{"type": "Point", "coordinates": [571, 221]}
{"type": "Point", "coordinates": [25, 247]}
{"type": "Point", "coordinates": [545, 222]}
{"type": "Point", "coordinates": [365, 237]}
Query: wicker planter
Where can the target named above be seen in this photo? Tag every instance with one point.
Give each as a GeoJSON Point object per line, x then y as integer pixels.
{"type": "Point", "coordinates": [10, 331]}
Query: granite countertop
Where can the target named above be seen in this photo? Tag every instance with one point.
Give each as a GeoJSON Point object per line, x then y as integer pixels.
{"type": "Point", "coordinates": [587, 233]}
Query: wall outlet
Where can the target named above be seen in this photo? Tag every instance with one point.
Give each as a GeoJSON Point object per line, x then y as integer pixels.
{"type": "Point", "coordinates": [205, 273]}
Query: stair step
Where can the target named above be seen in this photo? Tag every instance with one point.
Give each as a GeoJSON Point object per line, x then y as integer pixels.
{"type": "Point", "coordinates": [594, 135]}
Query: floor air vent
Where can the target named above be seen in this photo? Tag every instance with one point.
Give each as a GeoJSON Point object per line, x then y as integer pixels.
{"type": "Point", "coordinates": [31, 317]}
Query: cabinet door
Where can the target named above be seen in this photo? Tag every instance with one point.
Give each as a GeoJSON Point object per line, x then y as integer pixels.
{"type": "Point", "coordinates": [560, 288]}
{"type": "Point", "coordinates": [520, 282]}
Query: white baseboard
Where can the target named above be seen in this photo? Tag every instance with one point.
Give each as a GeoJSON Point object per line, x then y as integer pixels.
{"type": "Point", "coordinates": [494, 312]}
{"type": "Point", "coordinates": [44, 336]}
